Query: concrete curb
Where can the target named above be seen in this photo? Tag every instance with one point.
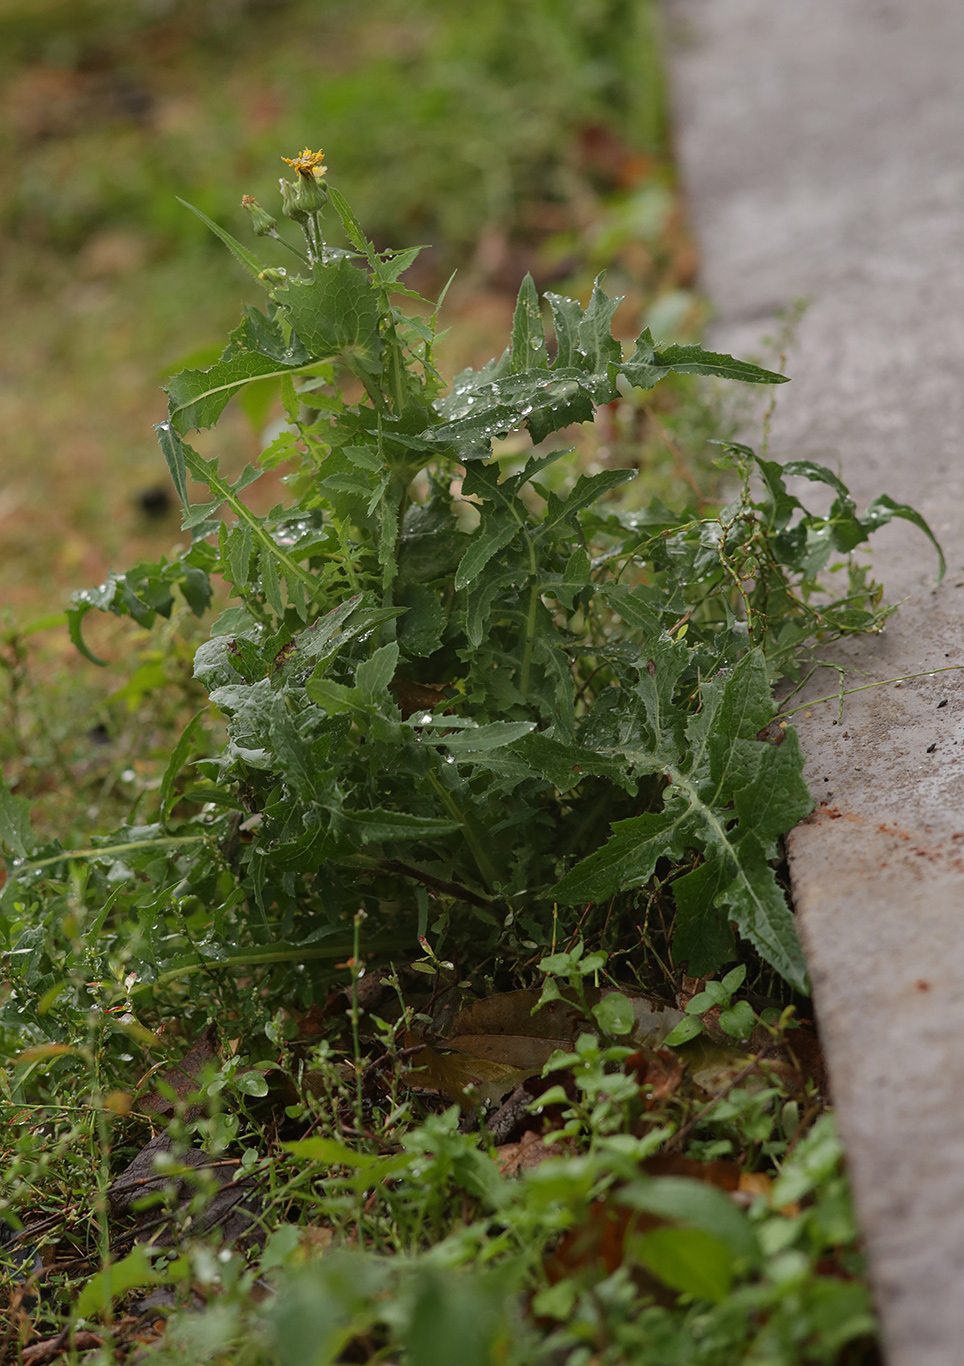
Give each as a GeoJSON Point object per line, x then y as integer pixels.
{"type": "Point", "coordinates": [822, 145]}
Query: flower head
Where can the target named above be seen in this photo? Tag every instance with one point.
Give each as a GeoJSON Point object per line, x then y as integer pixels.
{"type": "Point", "coordinates": [310, 164]}
{"type": "Point", "coordinates": [262, 221]}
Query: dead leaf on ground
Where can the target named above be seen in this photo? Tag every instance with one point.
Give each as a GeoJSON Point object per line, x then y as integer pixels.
{"type": "Point", "coordinates": [514, 1158]}
{"type": "Point", "coordinates": [660, 1070]}
{"type": "Point", "coordinates": [513, 1050]}
{"type": "Point", "coordinates": [452, 1074]}
{"type": "Point", "coordinates": [511, 1012]}
{"type": "Point", "coordinates": [234, 1209]}
{"type": "Point", "coordinates": [183, 1077]}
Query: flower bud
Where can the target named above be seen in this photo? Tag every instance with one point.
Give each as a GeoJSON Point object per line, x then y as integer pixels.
{"type": "Point", "coordinates": [261, 220]}
{"type": "Point", "coordinates": [274, 275]}
{"type": "Point", "coordinates": [307, 194]}
{"type": "Point", "coordinates": [302, 198]}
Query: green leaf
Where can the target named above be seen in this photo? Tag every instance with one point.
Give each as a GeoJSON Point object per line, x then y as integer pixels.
{"type": "Point", "coordinates": [256, 350]}
{"type": "Point", "coordinates": [738, 1020]}
{"type": "Point", "coordinates": [811, 1162]}
{"type": "Point", "coordinates": [775, 798]}
{"type": "Point", "coordinates": [252, 1084]}
{"type": "Point", "coordinates": [542, 401]}
{"type": "Point", "coordinates": [379, 824]}
{"type": "Point", "coordinates": [474, 739]}
{"type": "Point", "coordinates": [598, 348]}
{"type": "Point", "coordinates": [350, 223]}
{"type": "Point", "coordinates": [588, 489]}
{"type": "Point", "coordinates": [133, 1271]}
{"type": "Point", "coordinates": [757, 904]}
{"type": "Point", "coordinates": [494, 535]}
{"type": "Point", "coordinates": [179, 753]}
{"type": "Point", "coordinates": [883, 509]}
{"type": "Point", "coordinates": [564, 764]}
{"type": "Point", "coordinates": [271, 585]}
{"type": "Point", "coordinates": [15, 831]}
{"type": "Point", "coordinates": [702, 938]}
{"type": "Point", "coordinates": [373, 676]}
{"type": "Point", "coordinates": [628, 859]}
{"type": "Point", "coordinates": [173, 449]}
{"type": "Point", "coordinates": [566, 317]}
{"type": "Point", "coordinates": [647, 366]}
{"type": "Point", "coordinates": [250, 262]}
{"type": "Point", "coordinates": [697, 1204]}
{"type": "Point", "coordinates": [335, 313]}
{"type": "Point", "coordinates": [613, 1014]}
{"type": "Point", "coordinates": [688, 1260]}
{"type": "Point", "coordinates": [528, 334]}
{"type": "Point", "coordinates": [688, 1028]}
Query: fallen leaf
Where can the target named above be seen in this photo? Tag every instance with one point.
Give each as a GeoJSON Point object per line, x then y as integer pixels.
{"type": "Point", "coordinates": [453, 1073]}
{"type": "Point", "coordinates": [183, 1077]}
{"type": "Point", "coordinates": [514, 1158]}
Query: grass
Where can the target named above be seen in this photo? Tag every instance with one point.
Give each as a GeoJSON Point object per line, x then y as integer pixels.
{"type": "Point", "coordinates": [391, 1209]}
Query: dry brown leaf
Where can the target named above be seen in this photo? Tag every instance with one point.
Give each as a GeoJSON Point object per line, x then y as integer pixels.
{"type": "Point", "coordinates": [453, 1073]}
{"type": "Point", "coordinates": [183, 1077]}
{"type": "Point", "coordinates": [510, 1012]}
{"type": "Point", "coordinates": [514, 1050]}
{"type": "Point", "coordinates": [514, 1158]}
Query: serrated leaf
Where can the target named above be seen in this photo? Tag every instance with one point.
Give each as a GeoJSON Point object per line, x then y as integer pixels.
{"type": "Point", "coordinates": [479, 739]}
{"type": "Point", "coordinates": [256, 350]}
{"type": "Point", "coordinates": [238, 554]}
{"type": "Point", "coordinates": [693, 360]}
{"type": "Point", "coordinates": [597, 345]}
{"type": "Point", "coordinates": [658, 675]}
{"type": "Point", "coordinates": [627, 859]}
{"type": "Point", "coordinates": [702, 938]}
{"type": "Point", "coordinates": [883, 510]}
{"type": "Point", "coordinates": [588, 489]}
{"type": "Point", "coordinates": [542, 400]}
{"type": "Point", "coordinates": [350, 223]}
{"type": "Point", "coordinates": [494, 535]}
{"type": "Point", "coordinates": [565, 764]}
{"type": "Point", "coordinates": [776, 798]}
{"type": "Point", "coordinates": [420, 629]}
{"type": "Point", "coordinates": [374, 675]}
{"type": "Point", "coordinates": [567, 314]}
{"type": "Point", "coordinates": [647, 365]}
{"type": "Point", "coordinates": [271, 585]}
{"type": "Point", "coordinates": [758, 906]}
{"type": "Point", "coordinates": [173, 449]}
{"type": "Point", "coordinates": [528, 334]}
{"type": "Point", "coordinates": [378, 824]}
{"type": "Point", "coordinates": [15, 831]}
{"type": "Point", "coordinates": [335, 313]}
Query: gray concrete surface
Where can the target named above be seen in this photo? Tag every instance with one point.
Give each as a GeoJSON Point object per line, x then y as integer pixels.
{"type": "Point", "coordinates": [822, 144]}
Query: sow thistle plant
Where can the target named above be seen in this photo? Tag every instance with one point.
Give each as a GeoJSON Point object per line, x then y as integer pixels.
{"type": "Point", "coordinates": [465, 690]}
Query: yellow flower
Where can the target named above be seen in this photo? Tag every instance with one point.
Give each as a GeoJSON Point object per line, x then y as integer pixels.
{"type": "Point", "coordinates": [310, 164]}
